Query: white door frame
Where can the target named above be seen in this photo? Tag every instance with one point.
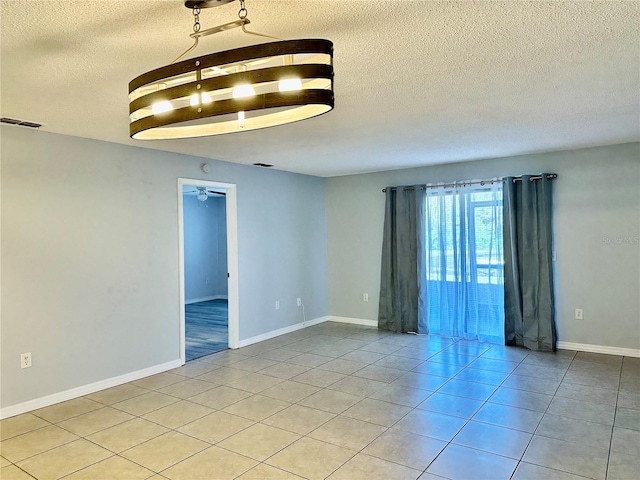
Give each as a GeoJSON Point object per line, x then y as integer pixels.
{"type": "Point", "coordinates": [232, 257]}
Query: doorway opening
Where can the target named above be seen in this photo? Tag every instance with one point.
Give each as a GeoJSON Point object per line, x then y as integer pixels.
{"type": "Point", "coordinates": [208, 267]}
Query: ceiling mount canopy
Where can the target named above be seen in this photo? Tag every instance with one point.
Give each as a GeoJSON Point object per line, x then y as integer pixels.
{"type": "Point", "coordinates": [235, 90]}
{"type": "Point", "coordinates": [205, 3]}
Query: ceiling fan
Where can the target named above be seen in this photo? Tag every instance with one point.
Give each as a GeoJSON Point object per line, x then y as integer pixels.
{"type": "Point", "coordinates": [202, 193]}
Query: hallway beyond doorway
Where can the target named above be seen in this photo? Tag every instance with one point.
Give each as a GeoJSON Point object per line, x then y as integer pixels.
{"type": "Point", "coordinates": [206, 328]}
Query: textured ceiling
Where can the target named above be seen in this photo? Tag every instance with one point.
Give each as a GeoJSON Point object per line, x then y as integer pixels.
{"type": "Point", "coordinates": [417, 82]}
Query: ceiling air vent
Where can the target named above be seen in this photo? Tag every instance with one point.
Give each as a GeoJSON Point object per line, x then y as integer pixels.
{"type": "Point", "coordinates": [20, 123]}
{"type": "Point", "coordinates": [265, 165]}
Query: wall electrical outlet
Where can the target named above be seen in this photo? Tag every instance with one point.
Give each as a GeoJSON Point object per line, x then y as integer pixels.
{"type": "Point", "coordinates": [277, 304]}
{"type": "Point", "coordinates": [25, 360]}
{"type": "Point", "coordinates": [299, 302]}
{"type": "Point", "coordinates": [579, 314]}
{"type": "Point", "coordinates": [365, 297]}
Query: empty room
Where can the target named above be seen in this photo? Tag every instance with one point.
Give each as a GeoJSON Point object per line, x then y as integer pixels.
{"type": "Point", "coordinates": [319, 239]}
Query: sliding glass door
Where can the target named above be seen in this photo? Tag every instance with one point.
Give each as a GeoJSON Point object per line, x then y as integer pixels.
{"type": "Point", "coordinates": [464, 262]}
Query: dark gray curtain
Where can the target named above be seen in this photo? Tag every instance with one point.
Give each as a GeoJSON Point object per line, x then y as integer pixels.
{"type": "Point", "coordinates": [528, 274]}
{"type": "Point", "coordinates": [402, 276]}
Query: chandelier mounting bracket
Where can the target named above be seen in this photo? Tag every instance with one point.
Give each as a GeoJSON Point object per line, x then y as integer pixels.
{"type": "Point", "coordinates": [205, 3]}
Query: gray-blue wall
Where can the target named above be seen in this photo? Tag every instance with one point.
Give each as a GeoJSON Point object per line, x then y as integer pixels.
{"type": "Point", "coordinates": [89, 249]}
{"type": "Point", "coordinates": [596, 229]}
{"type": "Point", "coordinates": [205, 247]}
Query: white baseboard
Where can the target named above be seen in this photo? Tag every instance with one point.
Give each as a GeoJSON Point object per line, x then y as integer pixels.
{"type": "Point", "coordinates": [281, 331]}
{"type": "Point", "coordinates": [354, 321]}
{"type": "Point", "coordinates": [206, 299]}
{"type": "Point", "coordinates": [54, 398]}
{"type": "Point", "coordinates": [584, 347]}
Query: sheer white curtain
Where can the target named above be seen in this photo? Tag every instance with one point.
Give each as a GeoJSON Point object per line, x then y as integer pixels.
{"type": "Point", "coordinates": [464, 262]}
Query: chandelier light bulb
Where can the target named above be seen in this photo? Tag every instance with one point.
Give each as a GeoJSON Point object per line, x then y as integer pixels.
{"type": "Point", "coordinates": [290, 85]}
{"type": "Point", "coordinates": [242, 91]}
{"type": "Point", "coordinates": [241, 119]}
{"type": "Point", "coordinates": [161, 107]}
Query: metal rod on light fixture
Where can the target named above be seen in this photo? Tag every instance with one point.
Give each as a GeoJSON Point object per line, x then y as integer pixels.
{"type": "Point", "coordinates": [241, 22]}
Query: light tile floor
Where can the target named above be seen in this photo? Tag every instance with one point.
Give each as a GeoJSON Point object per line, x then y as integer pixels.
{"type": "Point", "coordinates": [346, 402]}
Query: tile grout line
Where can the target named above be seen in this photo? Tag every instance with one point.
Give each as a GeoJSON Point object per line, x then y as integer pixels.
{"type": "Point", "coordinates": [328, 388]}
{"type": "Point", "coordinates": [340, 414]}
{"type": "Point", "coordinates": [450, 442]}
{"type": "Point", "coordinates": [542, 418]}
{"type": "Point", "coordinates": [324, 423]}
{"type": "Point", "coordinates": [615, 415]}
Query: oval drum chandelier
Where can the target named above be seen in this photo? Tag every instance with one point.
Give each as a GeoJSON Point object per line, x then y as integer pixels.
{"type": "Point", "coordinates": [235, 90]}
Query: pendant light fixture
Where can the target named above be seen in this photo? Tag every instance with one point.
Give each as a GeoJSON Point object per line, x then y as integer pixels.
{"type": "Point", "coordinates": [235, 90]}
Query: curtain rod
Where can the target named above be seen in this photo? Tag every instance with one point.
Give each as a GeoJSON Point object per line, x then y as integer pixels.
{"type": "Point", "coordinates": [550, 176]}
